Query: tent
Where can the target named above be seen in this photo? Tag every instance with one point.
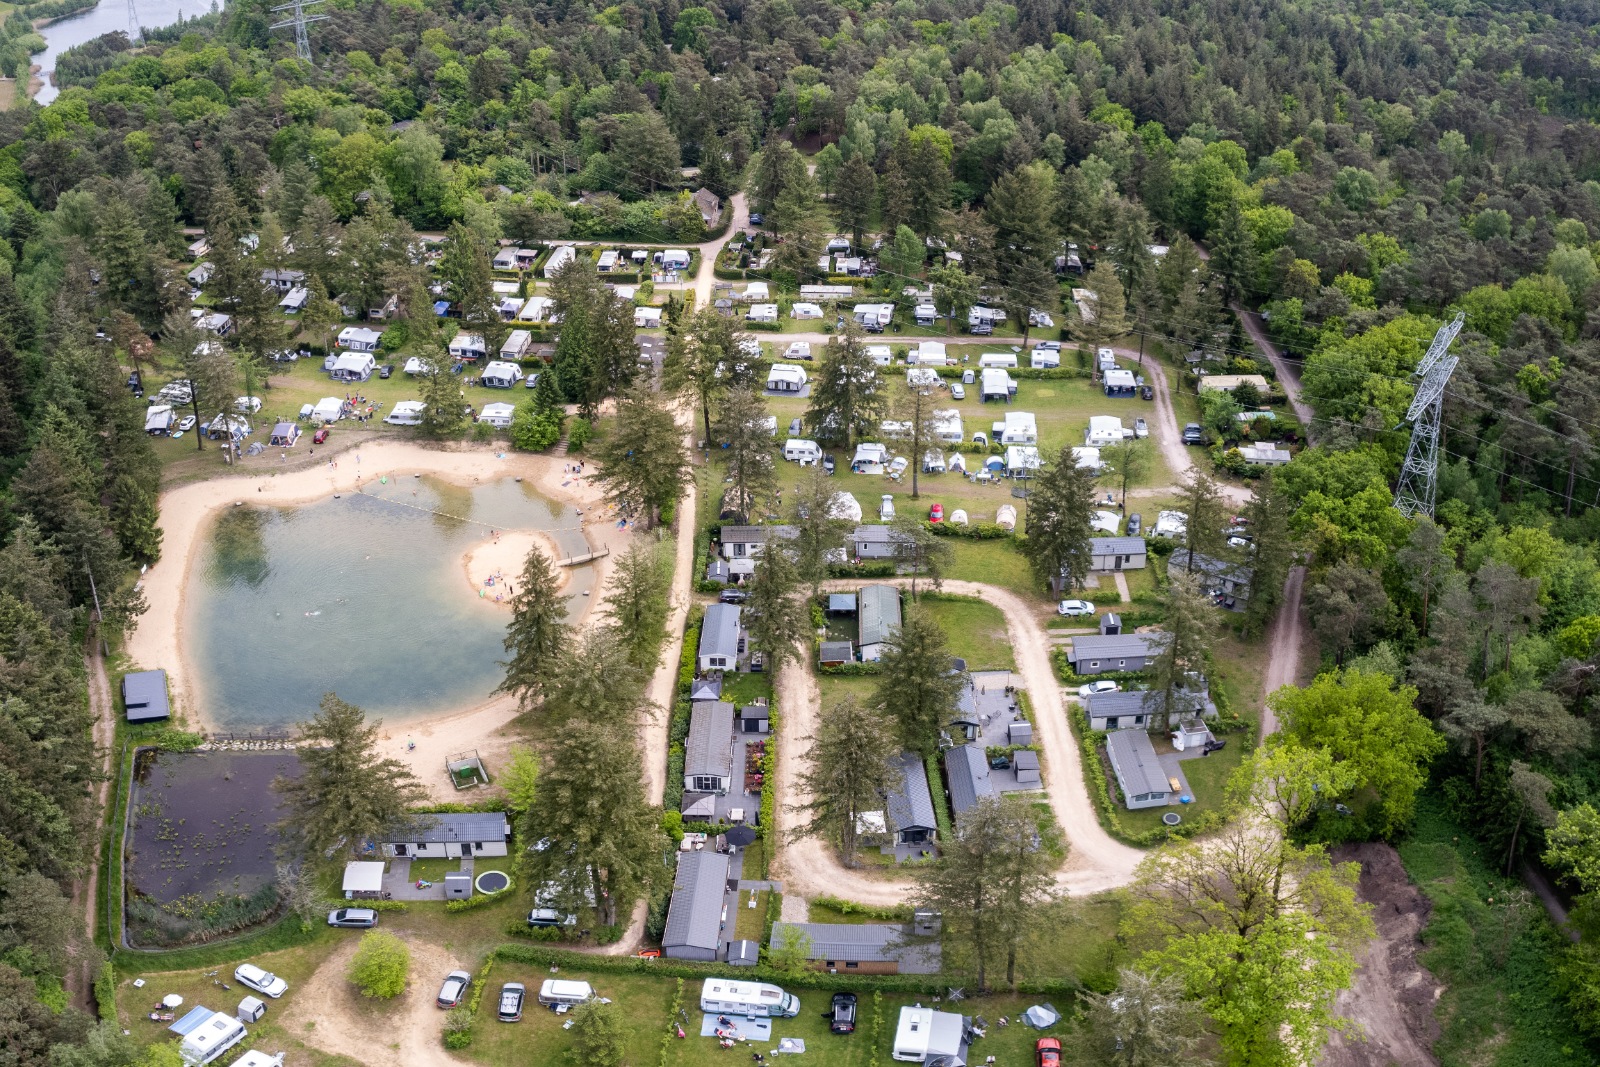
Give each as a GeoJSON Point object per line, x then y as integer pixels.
{"type": "Point", "coordinates": [956, 463]}
{"type": "Point", "coordinates": [328, 409]}
{"type": "Point", "coordinates": [1041, 1016]}
{"type": "Point", "coordinates": [958, 517]}
{"type": "Point", "coordinates": [285, 434]}
{"type": "Point", "coordinates": [997, 464]}
{"type": "Point", "coordinates": [704, 808]}
{"type": "Point", "coordinates": [844, 507]}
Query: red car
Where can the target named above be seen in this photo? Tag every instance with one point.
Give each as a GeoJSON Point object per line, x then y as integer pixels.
{"type": "Point", "coordinates": [936, 513]}
{"type": "Point", "coordinates": [1047, 1052]}
{"type": "Point", "coordinates": [320, 436]}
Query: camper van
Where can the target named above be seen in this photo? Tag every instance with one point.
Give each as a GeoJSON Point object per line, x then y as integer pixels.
{"type": "Point", "coordinates": [924, 1034]}
{"type": "Point", "coordinates": [798, 450]}
{"type": "Point", "coordinates": [554, 991]}
{"type": "Point", "coordinates": [207, 1040]}
{"type": "Point", "coordinates": [1008, 360]}
{"type": "Point", "coordinates": [724, 996]}
{"type": "Point", "coordinates": [406, 413]}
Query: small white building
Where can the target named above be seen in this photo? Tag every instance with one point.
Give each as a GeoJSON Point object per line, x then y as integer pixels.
{"type": "Point", "coordinates": [1103, 430]}
{"type": "Point", "coordinates": [498, 414]}
{"type": "Point", "coordinates": [469, 346]}
{"type": "Point", "coordinates": [505, 259]}
{"type": "Point", "coordinates": [536, 308]}
{"type": "Point", "coordinates": [1008, 360]}
{"type": "Point", "coordinates": [881, 355]}
{"type": "Point", "coordinates": [786, 378]}
{"type": "Point", "coordinates": [762, 313]}
{"type": "Point", "coordinates": [647, 318]}
{"type": "Point", "coordinates": [805, 310]}
{"type": "Point", "coordinates": [1021, 428]}
{"type": "Point", "coordinates": [501, 375]}
{"type": "Point", "coordinates": [359, 339]}
{"type": "Point", "coordinates": [449, 835]}
{"type": "Point", "coordinates": [1268, 455]}
{"type": "Point", "coordinates": [1086, 458]}
{"type": "Point", "coordinates": [517, 344]}
{"type": "Point", "coordinates": [328, 409]}
{"type": "Point", "coordinates": [353, 367]}
{"type": "Point", "coordinates": [560, 256]}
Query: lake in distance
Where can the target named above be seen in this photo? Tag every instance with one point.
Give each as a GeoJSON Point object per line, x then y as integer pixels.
{"type": "Point", "coordinates": [108, 16]}
{"type": "Point", "coordinates": [363, 595]}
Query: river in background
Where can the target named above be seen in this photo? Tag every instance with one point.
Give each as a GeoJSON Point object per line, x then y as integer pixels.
{"type": "Point", "coordinates": [361, 595]}
{"type": "Point", "coordinates": [108, 16]}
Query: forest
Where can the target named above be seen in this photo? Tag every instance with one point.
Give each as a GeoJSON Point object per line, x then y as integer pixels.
{"type": "Point", "coordinates": [1355, 170]}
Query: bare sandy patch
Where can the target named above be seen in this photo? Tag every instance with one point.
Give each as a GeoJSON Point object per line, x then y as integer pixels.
{"type": "Point", "coordinates": [492, 567]}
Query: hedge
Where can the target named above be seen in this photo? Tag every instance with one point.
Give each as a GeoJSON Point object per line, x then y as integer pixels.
{"type": "Point", "coordinates": [105, 991]}
{"type": "Point", "coordinates": [862, 570]}
{"type": "Point", "coordinates": [474, 902]}
{"type": "Point", "coordinates": [977, 531]}
{"type": "Point", "coordinates": [1031, 374]}
{"type": "Point", "coordinates": [898, 913]}
{"type": "Point", "coordinates": [671, 1028]}
{"type": "Point", "coordinates": [539, 955]}
{"type": "Point", "coordinates": [764, 327]}
{"type": "Point", "coordinates": [854, 670]}
{"type": "Point", "coordinates": [941, 805]}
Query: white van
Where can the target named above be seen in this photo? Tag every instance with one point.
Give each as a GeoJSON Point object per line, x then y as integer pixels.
{"type": "Point", "coordinates": [1008, 360]}
{"type": "Point", "coordinates": [406, 413]}
{"type": "Point", "coordinates": [724, 996]}
{"type": "Point", "coordinates": [803, 452]}
{"type": "Point", "coordinates": [556, 991]}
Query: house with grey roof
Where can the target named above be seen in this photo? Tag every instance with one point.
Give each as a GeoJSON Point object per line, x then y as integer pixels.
{"type": "Point", "coordinates": [433, 835]}
{"type": "Point", "coordinates": [857, 948]}
{"type": "Point", "coordinates": [1097, 653]}
{"type": "Point", "coordinates": [967, 769]}
{"type": "Point", "coordinates": [694, 915]}
{"type": "Point", "coordinates": [875, 542]}
{"type": "Point", "coordinates": [144, 696]}
{"type": "Point", "coordinates": [1227, 583]}
{"type": "Point", "coordinates": [719, 639]}
{"type": "Point", "coordinates": [1139, 773]}
{"type": "Point", "coordinates": [877, 617]}
{"type": "Point", "coordinates": [708, 750]}
{"type": "Point", "coordinates": [741, 542]}
{"type": "Point", "coordinates": [835, 653]}
{"type": "Point", "coordinates": [1118, 553]}
{"type": "Point", "coordinates": [909, 806]}
{"type": "Point", "coordinates": [1142, 709]}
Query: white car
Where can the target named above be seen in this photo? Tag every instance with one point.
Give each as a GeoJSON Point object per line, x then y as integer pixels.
{"type": "Point", "coordinates": [1094, 688]}
{"type": "Point", "coordinates": [1075, 607]}
{"type": "Point", "coordinates": [1140, 428]}
{"type": "Point", "coordinates": [958, 392]}
{"type": "Point", "coordinates": [253, 977]}
{"type": "Point", "coordinates": [186, 424]}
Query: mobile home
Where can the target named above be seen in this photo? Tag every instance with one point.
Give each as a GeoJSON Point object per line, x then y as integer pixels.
{"type": "Point", "coordinates": [724, 996]}
{"type": "Point", "coordinates": [560, 256]}
{"type": "Point", "coordinates": [501, 375]}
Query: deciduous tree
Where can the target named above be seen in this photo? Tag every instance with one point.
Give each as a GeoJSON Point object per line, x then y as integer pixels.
{"type": "Point", "coordinates": [379, 965]}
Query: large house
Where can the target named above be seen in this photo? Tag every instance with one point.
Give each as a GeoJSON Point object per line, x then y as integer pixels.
{"type": "Point", "coordinates": [1098, 653]}
{"type": "Point", "coordinates": [708, 750]}
{"type": "Point", "coordinates": [709, 205]}
{"type": "Point", "coordinates": [1140, 709]}
{"type": "Point", "coordinates": [450, 834]}
{"type": "Point", "coordinates": [741, 542]}
{"type": "Point", "coordinates": [694, 915]}
{"type": "Point", "coordinates": [719, 639]}
{"type": "Point", "coordinates": [1227, 583]}
{"type": "Point", "coordinates": [877, 619]}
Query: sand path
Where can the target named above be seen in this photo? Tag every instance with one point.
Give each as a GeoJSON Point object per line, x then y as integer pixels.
{"type": "Point", "coordinates": [186, 511]}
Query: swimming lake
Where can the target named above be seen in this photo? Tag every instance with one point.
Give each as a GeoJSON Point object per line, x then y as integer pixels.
{"type": "Point", "coordinates": [365, 595]}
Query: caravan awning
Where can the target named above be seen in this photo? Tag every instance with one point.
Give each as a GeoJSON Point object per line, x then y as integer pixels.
{"type": "Point", "coordinates": [363, 876]}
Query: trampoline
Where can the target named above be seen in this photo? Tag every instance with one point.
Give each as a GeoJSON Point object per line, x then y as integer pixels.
{"type": "Point", "coordinates": [493, 882]}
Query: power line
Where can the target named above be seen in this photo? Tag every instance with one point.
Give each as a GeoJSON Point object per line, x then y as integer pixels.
{"type": "Point", "coordinates": [302, 40]}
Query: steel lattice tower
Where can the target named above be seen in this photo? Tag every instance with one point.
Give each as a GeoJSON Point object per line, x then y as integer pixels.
{"type": "Point", "coordinates": [299, 20]}
{"type": "Point", "coordinates": [1419, 476]}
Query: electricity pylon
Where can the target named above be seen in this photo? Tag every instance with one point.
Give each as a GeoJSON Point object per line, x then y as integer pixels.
{"type": "Point", "coordinates": [302, 40]}
{"type": "Point", "coordinates": [133, 22]}
{"type": "Point", "coordinates": [1419, 476]}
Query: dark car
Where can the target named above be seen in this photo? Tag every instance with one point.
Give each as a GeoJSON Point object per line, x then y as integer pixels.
{"type": "Point", "coordinates": [1135, 524]}
{"type": "Point", "coordinates": [794, 427]}
{"type": "Point", "coordinates": [386, 370]}
{"type": "Point", "coordinates": [1147, 393]}
{"type": "Point", "coordinates": [756, 218]}
{"type": "Point", "coordinates": [136, 383]}
{"type": "Point", "coordinates": [454, 990]}
{"type": "Point", "coordinates": [1192, 433]}
{"type": "Point", "coordinates": [320, 436]}
{"type": "Point", "coordinates": [1047, 1052]}
{"type": "Point", "coordinates": [842, 1016]}
{"type": "Point", "coordinates": [829, 465]}
{"type": "Point", "coordinates": [353, 918]}
{"type": "Point", "coordinates": [512, 994]}
{"type": "Point", "coordinates": [733, 596]}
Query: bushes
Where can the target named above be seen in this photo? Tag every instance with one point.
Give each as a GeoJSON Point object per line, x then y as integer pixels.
{"type": "Point", "coordinates": [458, 1027]}
{"type": "Point", "coordinates": [941, 805]}
{"type": "Point", "coordinates": [474, 902]}
{"type": "Point", "coordinates": [899, 913]}
{"type": "Point", "coordinates": [854, 670]}
{"type": "Point", "coordinates": [764, 327]}
{"type": "Point", "coordinates": [582, 433]}
{"type": "Point", "coordinates": [1021, 373]}
{"type": "Point", "coordinates": [977, 531]}
{"type": "Point", "coordinates": [379, 966]}
{"type": "Point", "coordinates": [105, 991]}
{"type": "Point", "coordinates": [861, 570]}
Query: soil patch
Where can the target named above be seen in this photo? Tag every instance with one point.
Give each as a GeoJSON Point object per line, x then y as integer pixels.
{"type": "Point", "coordinates": [201, 859]}
{"type": "Point", "coordinates": [1393, 995]}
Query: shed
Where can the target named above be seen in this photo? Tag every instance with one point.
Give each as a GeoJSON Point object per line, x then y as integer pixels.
{"type": "Point", "coordinates": [909, 805]}
{"type": "Point", "coordinates": [841, 603]}
{"type": "Point", "coordinates": [144, 696]}
{"type": "Point", "coordinates": [744, 953]}
{"type": "Point", "coordinates": [719, 639]}
{"type": "Point", "coordinates": [1139, 773]}
{"type": "Point", "coordinates": [284, 435]}
{"type": "Point", "coordinates": [450, 834]}
{"type": "Point", "coordinates": [1019, 733]}
{"type": "Point", "coordinates": [363, 879]}
{"type": "Point", "coordinates": [457, 885]}
{"type": "Point", "coordinates": [1025, 762]}
{"type": "Point", "coordinates": [877, 618]}
{"type": "Point", "coordinates": [250, 1010]}
{"type": "Point", "coordinates": [717, 571]}
{"type": "Point", "coordinates": [708, 750]}
{"type": "Point", "coordinates": [835, 653]}
{"type": "Point", "coordinates": [694, 915]}
{"type": "Point", "coordinates": [755, 719]}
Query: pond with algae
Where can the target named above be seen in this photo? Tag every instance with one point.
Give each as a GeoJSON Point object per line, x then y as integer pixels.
{"type": "Point", "coordinates": [366, 595]}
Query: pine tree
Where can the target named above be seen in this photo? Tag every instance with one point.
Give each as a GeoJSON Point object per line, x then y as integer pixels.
{"type": "Point", "coordinates": [538, 630]}
{"type": "Point", "coordinates": [704, 359]}
{"type": "Point", "coordinates": [855, 194]}
{"type": "Point", "coordinates": [918, 688]}
{"type": "Point", "coordinates": [847, 395]}
{"type": "Point", "coordinates": [747, 450]}
{"type": "Point", "coordinates": [1020, 210]}
{"type": "Point", "coordinates": [1233, 254]}
{"type": "Point", "coordinates": [444, 411]}
{"type": "Point", "coordinates": [345, 793]}
{"type": "Point", "coordinates": [775, 615]}
{"type": "Point", "coordinates": [1059, 523]}
{"type": "Point", "coordinates": [820, 530]}
{"type": "Point", "coordinates": [848, 769]}
{"type": "Point", "coordinates": [637, 605]}
{"type": "Point", "coordinates": [1188, 622]}
{"type": "Point", "coordinates": [643, 462]}
{"type": "Point", "coordinates": [1109, 319]}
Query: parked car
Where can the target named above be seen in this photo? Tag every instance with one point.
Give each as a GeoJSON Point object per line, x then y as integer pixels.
{"type": "Point", "coordinates": [842, 1015]}
{"type": "Point", "coordinates": [1147, 393]}
{"type": "Point", "coordinates": [454, 990]}
{"type": "Point", "coordinates": [756, 218]}
{"type": "Point", "coordinates": [1095, 688]}
{"type": "Point", "coordinates": [353, 918]}
{"type": "Point", "coordinates": [264, 982]}
{"type": "Point", "coordinates": [958, 392]}
{"type": "Point", "coordinates": [320, 436]}
{"type": "Point", "coordinates": [548, 918]}
{"type": "Point", "coordinates": [1141, 428]}
{"type": "Point", "coordinates": [136, 382]}
{"type": "Point", "coordinates": [512, 994]}
{"type": "Point", "coordinates": [1047, 1052]}
{"type": "Point", "coordinates": [1191, 433]}
{"type": "Point", "coordinates": [1075, 607]}
{"type": "Point", "coordinates": [386, 371]}
{"type": "Point", "coordinates": [828, 463]}
{"type": "Point", "coordinates": [733, 596]}
{"type": "Point", "coordinates": [532, 382]}
{"type": "Point", "coordinates": [186, 424]}
{"type": "Point", "coordinates": [794, 427]}
{"type": "Point", "coordinates": [936, 513]}
{"type": "Point", "coordinates": [1135, 524]}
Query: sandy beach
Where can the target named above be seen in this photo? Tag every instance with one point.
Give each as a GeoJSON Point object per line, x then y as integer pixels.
{"type": "Point", "coordinates": [186, 510]}
{"type": "Point", "coordinates": [498, 560]}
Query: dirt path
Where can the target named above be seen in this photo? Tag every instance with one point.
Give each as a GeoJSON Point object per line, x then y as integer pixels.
{"type": "Point", "coordinates": [80, 982]}
{"type": "Point", "coordinates": [1095, 861]}
{"type": "Point", "coordinates": [1393, 995]}
{"type": "Point", "coordinates": [339, 1020]}
{"type": "Point", "coordinates": [1169, 436]}
{"type": "Point", "coordinates": [1288, 375]}
{"type": "Point", "coordinates": [1284, 643]}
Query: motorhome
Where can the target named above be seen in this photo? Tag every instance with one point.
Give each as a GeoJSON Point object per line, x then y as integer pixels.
{"type": "Point", "coordinates": [501, 375]}
{"type": "Point", "coordinates": [724, 996]}
{"type": "Point", "coordinates": [1007, 360]}
{"type": "Point", "coordinates": [924, 1034]}
{"type": "Point", "coordinates": [800, 451]}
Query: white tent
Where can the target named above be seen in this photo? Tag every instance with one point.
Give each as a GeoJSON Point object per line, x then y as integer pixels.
{"type": "Point", "coordinates": [844, 507]}
{"type": "Point", "coordinates": [1042, 1016]}
{"type": "Point", "coordinates": [956, 462]}
{"type": "Point", "coordinates": [1107, 522]}
{"type": "Point", "coordinates": [414, 365]}
{"type": "Point", "coordinates": [1006, 517]}
{"type": "Point", "coordinates": [958, 517]}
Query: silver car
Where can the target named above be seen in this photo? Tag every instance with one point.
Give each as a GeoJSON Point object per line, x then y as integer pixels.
{"type": "Point", "coordinates": [1140, 428]}
{"type": "Point", "coordinates": [263, 982]}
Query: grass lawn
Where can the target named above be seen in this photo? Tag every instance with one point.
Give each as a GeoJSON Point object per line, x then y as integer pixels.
{"type": "Point", "coordinates": [741, 688]}
{"type": "Point", "coordinates": [433, 870]}
{"type": "Point", "coordinates": [748, 924]}
{"type": "Point", "coordinates": [1207, 777]}
{"type": "Point", "coordinates": [832, 688]}
{"type": "Point", "coordinates": [976, 630]}
{"type": "Point", "coordinates": [996, 563]}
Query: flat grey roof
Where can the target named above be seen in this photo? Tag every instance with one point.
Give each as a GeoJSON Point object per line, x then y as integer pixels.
{"type": "Point", "coordinates": [755, 711]}
{"type": "Point", "coordinates": [719, 632]}
{"type": "Point", "coordinates": [145, 695]}
{"type": "Point", "coordinates": [910, 806]}
{"type": "Point", "coordinates": [1134, 759]}
{"type": "Point", "coordinates": [1127, 702]}
{"type": "Point", "coordinates": [756, 535]}
{"type": "Point", "coordinates": [879, 613]}
{"type": "Point", "coordinates": [1117, 546]}
{"type": "Point", "coordinates": [1117, 646]}
{"type": "Point", "coordinates": [1204, 564]}
{"type": "Point", "coordinates": [453, 827]}
{"type": "Point", "coordinates": [694, 918]}
{"type": "Point", "coordinates": [709, 746]}
{"type": "Point", "coordinates": [840, 650]}
{"type": "Point", "coordinates": [864, 943]}
{"type": "Point", "coordinates": [967, 767]}
{"type": "Point", "coordinates": [842, 602]}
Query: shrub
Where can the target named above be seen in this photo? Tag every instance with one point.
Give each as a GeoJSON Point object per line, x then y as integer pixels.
{"type": "Point", "coordinates": [581, 433]}
{"type": "Point", "coordinates": [458, 1028]}
{"type": "Point", "coordinates": [474, 902]}
{"type": "Point", "coordinates": [896, 913]}
{"type": "Point", "coordinates": [379, 966]}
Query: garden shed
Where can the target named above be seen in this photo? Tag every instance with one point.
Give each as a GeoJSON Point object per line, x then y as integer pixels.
{"type": "Point", "coordinates": [144, 694]}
